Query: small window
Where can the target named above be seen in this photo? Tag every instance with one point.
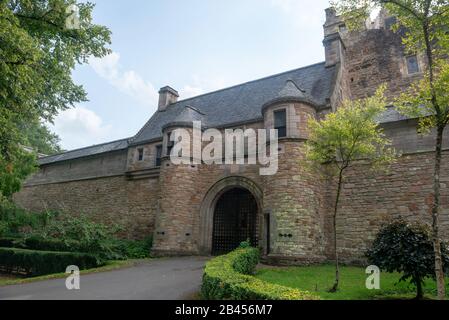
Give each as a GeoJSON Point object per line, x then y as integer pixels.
{"type": "Point", "coordinates": [158, 155]}
{"type": "Point", "coordinates": [342, 28]}
{"type": "Point", "coordinates": [280, 122]}
{"type": "Point", "coordinates": [170, 144]}
{"type": "Point", "coordinates": [412, 64]}
{"type": "Point", "coordinates": [140, 154]}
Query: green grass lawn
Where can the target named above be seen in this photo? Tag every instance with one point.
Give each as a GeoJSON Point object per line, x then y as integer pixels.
{"type": "Point", "coordinates": [318, 279]}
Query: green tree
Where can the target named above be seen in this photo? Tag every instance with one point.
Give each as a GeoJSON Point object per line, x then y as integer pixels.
{"type": "Point", "coordinates": [407, 249]}
{"type": "Point", "coordinates": [345, 137]}
{"type": "Point", "coordinates": [40, 138]}
{"type": "Point", "coordinates": [425, 24]}
{"type": "Point", "coordinates": [41, 42]}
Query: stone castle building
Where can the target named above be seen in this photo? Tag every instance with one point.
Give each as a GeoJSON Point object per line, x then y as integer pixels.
{"type": "Point", "coordinates": [209, 209]}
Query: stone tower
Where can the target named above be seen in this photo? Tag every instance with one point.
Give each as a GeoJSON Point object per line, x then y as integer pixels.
{"type": "Point", "coordinates": [292, 196]}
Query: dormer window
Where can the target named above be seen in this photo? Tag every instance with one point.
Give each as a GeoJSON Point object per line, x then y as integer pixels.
{"type": "Point", "coordinates": [140, 154]}
{"type": "Point", "coordinates": [280, 122]}
{"type": "Point", "coordinates": [412, 64]}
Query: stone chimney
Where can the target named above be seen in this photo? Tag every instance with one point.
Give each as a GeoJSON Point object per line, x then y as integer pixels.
{"type": "Point", "coordinates": [333, 46]}
{"type": "Point", "coordinates": [167, 96]}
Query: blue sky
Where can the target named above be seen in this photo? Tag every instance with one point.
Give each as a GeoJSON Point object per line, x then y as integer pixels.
{"type": "Point", "coordinates": [195, 46]}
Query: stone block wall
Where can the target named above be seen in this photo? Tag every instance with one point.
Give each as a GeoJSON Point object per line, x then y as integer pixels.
{"type": "Point", "coordinates": [370, 199]}
{"type": "Point", "coordinates": [183, 189]}
{"type": "Point", "coordinates": [374, 57]}
{"type": "Point", "coordinates": [294, 199]}
{"type": "Point", "coordinates": [110, 200]}
{"type": "Point", "coordinates": [103, 165]}
{"type": "Point", "coordinates": [149, 156]}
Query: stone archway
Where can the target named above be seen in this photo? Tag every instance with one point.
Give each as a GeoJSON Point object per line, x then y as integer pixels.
{"type": "Point", "coordinates": [209, 205]}
{"type": "Point", "coordinates": [235, 220]}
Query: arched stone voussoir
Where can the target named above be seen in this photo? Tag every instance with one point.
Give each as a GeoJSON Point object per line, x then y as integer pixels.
{"type": "Point", "coordinates": [210, 199]}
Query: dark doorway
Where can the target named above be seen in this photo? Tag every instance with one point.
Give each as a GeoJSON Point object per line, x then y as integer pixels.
{"type": "Point", "coordinates": [235, 220]}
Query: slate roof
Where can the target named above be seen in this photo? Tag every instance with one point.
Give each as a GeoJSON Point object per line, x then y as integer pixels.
{"type": "Point", "coordinates": [85, 152]}
{"type": "Point", "coordinates": [243, 103]}
{"type": "Point", "coordinates": [392, 115]}
{"type": "Point", "coordinates": [291, 89]}
{"type": "Point", "coordinates": [186, 116]}
{"type": "Point", "coordinates": [238, 104]}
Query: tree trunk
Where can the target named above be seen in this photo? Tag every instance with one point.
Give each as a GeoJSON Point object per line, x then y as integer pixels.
{"type": "Point", "coordinates": [419, 289]}
{"type": "Point", "coordinates": [337, 200]}
{"type": "Point", "coordinates": [439, 273]}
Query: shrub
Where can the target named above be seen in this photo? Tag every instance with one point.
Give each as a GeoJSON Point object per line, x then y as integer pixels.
{"type": "Point", "coordinates": [37, 243]}
{"type": "Point", "coordinates": [12, 242]}
{"type": "Point", "coordinates": [4, 227]}
{"type": "Point", "coordinates": [113, 249]}
{"type": "Point", "coordinates": [52, 231]}
{"type": "Point", "coordinates": [15, 221]}
{"type": "Point", "coordinates": [407, 249]}
{"type": "Point", "coordinates": [246, 263]}
{"type": "Point", "coordinates": [228, 277]}
{"type": "Point", "coordinates": [79, 228]}
{"type": "Point", "coordinates": [35, 263]}
{"type": "Point", "coordinates": [79, 231]}
{"type": "Point", "coordinates": [135, 249]}
{"type": "Point", "coordinates": [245, 244]}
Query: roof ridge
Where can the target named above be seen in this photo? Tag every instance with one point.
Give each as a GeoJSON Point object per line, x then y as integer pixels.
{"type": "Point", "coordinates": [251, 81]}
{"type": "Point", "coordinates": [83, 148]}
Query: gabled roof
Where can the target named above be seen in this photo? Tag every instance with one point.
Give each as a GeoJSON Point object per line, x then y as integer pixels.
{"type": "Point", "coordinates": [291, 89]}
{"type": "Point", "coordinates": [243, 103]}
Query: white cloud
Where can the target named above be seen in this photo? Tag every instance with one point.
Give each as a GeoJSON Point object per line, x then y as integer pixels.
{"type": "Point", "coordinates": [80, 127]}
{"type": "Point", "coordinates": [128, 82]}
{"type": "Point", "coordinates": [134, 85]}
{"type": "Point", "coordinates": [201, 85]}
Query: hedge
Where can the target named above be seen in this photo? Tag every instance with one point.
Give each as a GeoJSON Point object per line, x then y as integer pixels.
{"type": "Point", "coordinates": [37, 243]}
{"type": "Point", "coordinates": [36, 263]}
{"type": "Point", "coordinates": [229, 277]}
{"type": "Point", "coordinates": [10, 242]}
{"type": "Point", "coordinates": [112, 249]}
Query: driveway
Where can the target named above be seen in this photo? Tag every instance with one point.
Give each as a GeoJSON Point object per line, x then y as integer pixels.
{"type": "Point", "coordinates": [159, 279]}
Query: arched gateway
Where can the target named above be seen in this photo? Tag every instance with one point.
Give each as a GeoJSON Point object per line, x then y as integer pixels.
{"type": "Point", "coordinates": [230, 214]}
{"type": "Point", "coordinates": [235, 220]}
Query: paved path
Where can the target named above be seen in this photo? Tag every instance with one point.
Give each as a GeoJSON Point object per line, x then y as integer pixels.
{"type": "Point", "coordinates": [166, 278]}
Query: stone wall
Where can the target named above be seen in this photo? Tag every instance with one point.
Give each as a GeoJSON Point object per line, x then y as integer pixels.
{"type": "Point", "coordinates": [405, 138]}
{"type": "Point", "coordinates": [149, 156]}
{"type": "Point", "coordinates": [294, 199]}
{"type": "Point", "coordinates": [103, 165]}
{"type": "Point", "coordinates": [374, 57]}
{"type": "Point", "coordinates": [184, 187]}
{"type": "Point", "coordinates": [132, 204]}
{"type": "Point", "coordinates": [370, 199]}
